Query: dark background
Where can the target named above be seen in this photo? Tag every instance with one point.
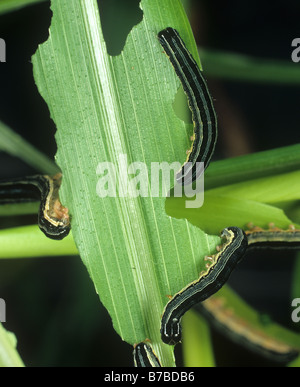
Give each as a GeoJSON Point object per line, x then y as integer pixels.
{"type": "Point", "coordinates": [51, 303]}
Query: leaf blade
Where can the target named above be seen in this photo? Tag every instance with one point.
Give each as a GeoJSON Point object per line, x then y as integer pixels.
{"type": "Point", "coordinates": [9, 356]}
{"type": "Point", "coordinates": [134, 252]}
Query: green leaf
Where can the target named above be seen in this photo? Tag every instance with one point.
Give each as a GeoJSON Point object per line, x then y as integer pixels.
{"type": "Point", "coordinates": [252, 316]}
{"type": "Point", "coordinates": [105, 107]}
{"type": "Point", "coordinates": [255, 321]}
{"type": "Point", "coordinates": [253, 166]}
{"type": "Point", "coordinates": [256, 201]}
{"type": "Point", "coordinates": [15, 145]}
{"type": "Point", "coordinates": [238, 67]}
{"type": "Point", "coordinates": [220, 211]}
{"type": "Point", "coordinates": [33, 243]}
{"type": "Point", "coordinates": [273, 189]}
{"type": "Point", "coordinates": [13, 5]}
{"type": "Point", "coordinates": [9, 356]}
{"type": "Point", "coordinates": [197, 345]}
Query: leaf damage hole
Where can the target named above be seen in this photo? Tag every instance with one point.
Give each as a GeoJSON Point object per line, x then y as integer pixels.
{"type": "Point", "coordinates": [118, 17]}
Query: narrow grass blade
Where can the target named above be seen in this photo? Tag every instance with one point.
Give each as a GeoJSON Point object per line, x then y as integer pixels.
{"type": "Point", "coordinates": [238, 67]}
{"type": "Point", "coordinates": [33, 243]}
{"type": "Point", "coordinates": [13, 5]}
{"type": "Point", "coordinates": [196, 343]}
{"type": "Point", "coordinates": [9, 356]}
{"type": "Point", "coordinates": [15, 145]}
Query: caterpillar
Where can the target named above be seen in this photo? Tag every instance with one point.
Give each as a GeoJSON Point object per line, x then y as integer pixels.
{"type": "Point", "coordinates": [228, 322]}
{"type": "Point", "coordinates": [53, 218]}
{"type": "Point", "coordinates": [274, 237]}
{"type": "Point", "coordinates": [218, 270]}
{"type": "Point", "coordinates": [143, 356]}
{"type": "Point", "coordinates": [200, 103]}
